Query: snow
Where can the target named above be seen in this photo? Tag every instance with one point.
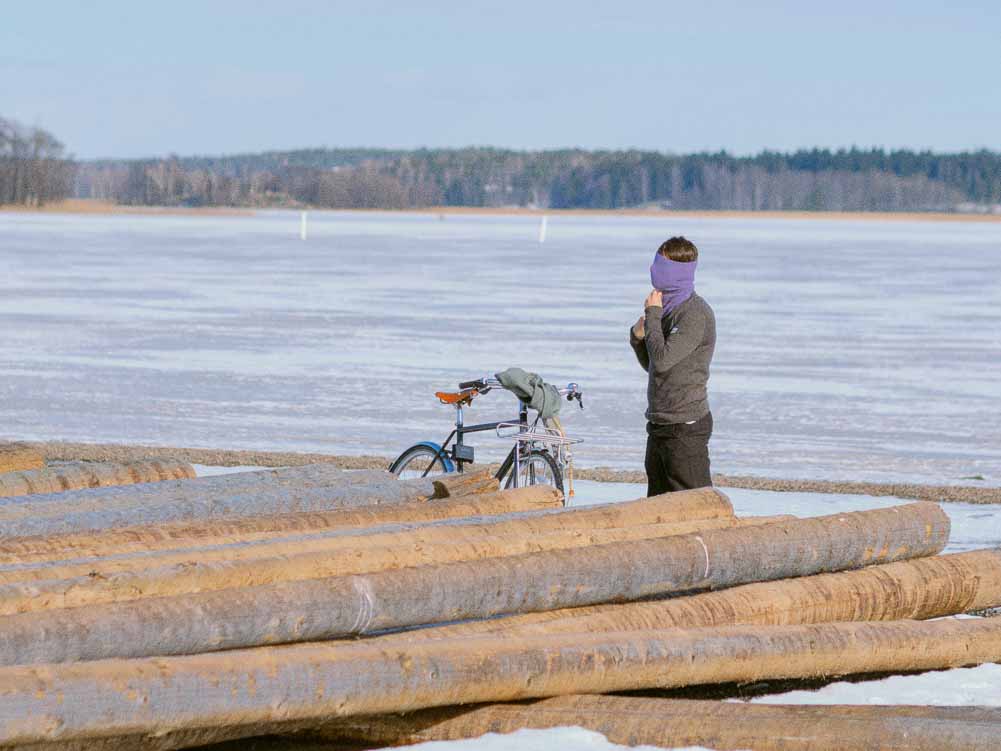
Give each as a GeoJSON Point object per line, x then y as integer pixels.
{"type": "Point", "coordinates": [980, 686]}
{"type": "Point", "coordinates": [206, 470]}
{"type": "Point", "coordinates": [539, 740]}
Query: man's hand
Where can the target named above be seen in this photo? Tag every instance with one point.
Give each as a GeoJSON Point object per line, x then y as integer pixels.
{"type": "Point", "coordinates": [654, 300]}
{"type": "Point", "coordinates": [639, 328]}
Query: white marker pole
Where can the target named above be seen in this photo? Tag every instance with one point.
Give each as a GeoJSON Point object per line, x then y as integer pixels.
{"type": "Point", "coordinates": [302, 225]}
{"type": "Point", "coordinates": [542, 228]}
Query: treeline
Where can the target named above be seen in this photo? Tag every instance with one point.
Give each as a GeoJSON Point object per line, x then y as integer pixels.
{"type": "Point", "coordinates": [816, 180]}
{"type": "Point", "coordinates": [34, 169]}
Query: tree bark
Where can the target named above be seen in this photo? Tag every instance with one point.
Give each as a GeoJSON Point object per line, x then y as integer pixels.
{"type": "Point", "coordinates": [301, 559]}
{"type": "Point", "coordinates": [628, 721]}
{"type": "Point", "coordinates": [186, 534]}
{"type": "Point", "coordinates": [115, 452]}
{"type": "Point", "coordinates": [17, 457]}
{"type": "Point", "coordinates": [344, 679]}
{"type": "Point", "coordinates": [457, 484]}
{"type": "Point", "coordinates": [354, 489]}
{"type": "Point", "coordinates": [475, 529]}
{"type": "Point", "coordinates": [348, 605]}
{"type": "Point", "coordinates": [670, 723]}
{"type": "Point", "coordinates": [59, 478]}
{"type": "Point", "coordinates": [184, 490]}
{"type": "Point", "coordinates": [917, 589]}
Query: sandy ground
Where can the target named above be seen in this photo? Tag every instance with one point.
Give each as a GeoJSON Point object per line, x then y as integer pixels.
{"type": "Point", "coordinates": [62, 451]}
{"type": "Point", "coordinates": [91, 206]}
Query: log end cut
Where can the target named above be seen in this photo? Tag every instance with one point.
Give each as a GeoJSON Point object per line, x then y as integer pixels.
{"type": "Point", "coordinates": [457, 484]}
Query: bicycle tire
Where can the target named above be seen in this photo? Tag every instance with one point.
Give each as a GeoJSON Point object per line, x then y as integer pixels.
{"type": "Point", "coordinates": [409, 461]}
{"type": "Point", "coordinates": [506, 474]}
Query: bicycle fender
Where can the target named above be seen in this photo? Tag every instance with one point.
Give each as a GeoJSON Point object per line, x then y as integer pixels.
{"type": "Point", "coordinates": [445, 458]}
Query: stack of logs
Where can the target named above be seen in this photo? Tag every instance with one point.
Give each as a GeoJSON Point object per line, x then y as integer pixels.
{"type": "Point", "coordinates": [326, 606]}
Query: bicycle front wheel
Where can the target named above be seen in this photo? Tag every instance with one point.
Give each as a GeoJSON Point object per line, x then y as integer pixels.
{"type": "Point", "coordinates": [419, 461]}
{"type": "Point", "coordinates": [538, 467]}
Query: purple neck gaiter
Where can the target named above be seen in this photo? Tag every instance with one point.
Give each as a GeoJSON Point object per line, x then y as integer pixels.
{"type": "Point", "coordinates": [676, 280]}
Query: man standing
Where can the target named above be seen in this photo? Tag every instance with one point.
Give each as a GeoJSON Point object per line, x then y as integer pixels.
{"type": "Point", "coordinates": [674, 342]}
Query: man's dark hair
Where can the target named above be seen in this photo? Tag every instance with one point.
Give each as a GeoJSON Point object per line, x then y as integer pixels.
{"type": "Point", "coordinates": [679, 249]}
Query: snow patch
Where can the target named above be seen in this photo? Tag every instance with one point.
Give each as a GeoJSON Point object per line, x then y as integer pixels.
{"type": "Point", "coordinates": [540, 740]}
{"type": "Point", "coordinates": [960, 687]}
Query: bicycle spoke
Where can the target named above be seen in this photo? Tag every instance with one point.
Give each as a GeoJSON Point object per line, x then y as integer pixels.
{"type": "Point", "coordinates": [417, 465]}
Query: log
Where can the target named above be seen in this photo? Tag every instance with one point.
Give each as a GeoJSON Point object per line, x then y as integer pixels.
{"type": "Point", "coordinates": [147, 495]}
{"type": "Point", "coordinates": [118, 452]}
{"type": "Point", "coordinates": [17, 457]}
{"type": "Point", "coordinates": [916, 590]}
{"type": "Point", "coordinates": [353, 491]}
{"type": "Point", "coordinates": [628, 721]}
{"type": "Point", "coordinates": [456, 484]}
{"type": "Point", "coordinates": [671, 723]}
{"type": "Point", "coordinates": [186, 534]}
{"type": "Point", "coordinates": [473, 530]}
{"type": "Point", "coordinates": [59, 478]}
{"type": "Point", "coordinates": [297, 560]}
{"type": "Point", "coordinates": [342, 679]}
{"type": "Point", "coordinates": [349, 605]}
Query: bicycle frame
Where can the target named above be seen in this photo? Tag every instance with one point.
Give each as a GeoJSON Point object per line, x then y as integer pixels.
{"type": "Point", "coordinates": [459, 454]}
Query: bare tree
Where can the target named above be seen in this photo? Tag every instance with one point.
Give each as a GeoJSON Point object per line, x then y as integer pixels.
{"type": "Point", "coordinates": [33, 167]}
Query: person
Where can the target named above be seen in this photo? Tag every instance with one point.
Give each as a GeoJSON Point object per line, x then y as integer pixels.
{"type": "Point", "coordinates": [674, 342]}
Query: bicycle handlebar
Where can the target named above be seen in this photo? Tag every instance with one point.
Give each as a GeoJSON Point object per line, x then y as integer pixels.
{"type": "Point", "coordinates": [479, 383]}
{"type": "Point", "coordinates": [571, 391]}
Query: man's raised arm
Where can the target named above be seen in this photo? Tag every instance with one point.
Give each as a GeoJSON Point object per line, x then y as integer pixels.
{"type": "Point", "coordinates": [636, 332]}
{"type": "Point", "coordinates": [664, 353]}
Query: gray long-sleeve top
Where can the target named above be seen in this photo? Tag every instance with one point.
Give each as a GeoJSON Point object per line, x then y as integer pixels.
{"type": "Point", "coordinates": [676, 352]}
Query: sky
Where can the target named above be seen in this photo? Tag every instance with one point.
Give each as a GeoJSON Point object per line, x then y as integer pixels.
{"type": "Point", "coordinates": [128, 79]}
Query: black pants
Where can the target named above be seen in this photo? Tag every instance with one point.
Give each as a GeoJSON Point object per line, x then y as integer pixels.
{"type": "Point", "coordinates": [677, 456]}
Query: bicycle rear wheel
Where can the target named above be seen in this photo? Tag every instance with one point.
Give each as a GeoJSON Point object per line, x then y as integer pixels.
{"type": "Point", "coordinates": [420, 461]}
{"type": "Point", "coordinates": [537, 468]}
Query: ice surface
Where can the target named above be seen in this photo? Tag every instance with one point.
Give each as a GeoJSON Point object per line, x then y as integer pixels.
{"type": "Point", "coordinates": [847, 349]}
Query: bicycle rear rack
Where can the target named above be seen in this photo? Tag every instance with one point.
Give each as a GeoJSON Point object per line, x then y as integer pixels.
{"type": "Point", "coordinates": [550, 437]}
{"type": "Point", "coordinates": [530, 434]}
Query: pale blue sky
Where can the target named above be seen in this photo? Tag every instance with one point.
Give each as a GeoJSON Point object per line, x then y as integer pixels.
{"type": "Point", "coordinates": [128, 79]}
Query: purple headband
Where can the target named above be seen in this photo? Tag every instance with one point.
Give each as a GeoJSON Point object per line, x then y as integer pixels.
{"type": "Point", "coordinates": [676, 280]}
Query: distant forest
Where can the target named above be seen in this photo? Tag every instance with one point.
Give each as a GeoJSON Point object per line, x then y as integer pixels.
{"type": "Point", "coordinates": [815, 180]}
{"type": "Point", "coordinates": [34, 170]}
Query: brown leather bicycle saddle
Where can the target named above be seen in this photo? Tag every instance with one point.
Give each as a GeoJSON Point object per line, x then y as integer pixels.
{"type": "Point", "coordinates": [456, 397]}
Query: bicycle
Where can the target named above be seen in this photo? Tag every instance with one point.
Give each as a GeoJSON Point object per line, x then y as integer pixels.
{"type": "Point", "coordinates": [539, 455]}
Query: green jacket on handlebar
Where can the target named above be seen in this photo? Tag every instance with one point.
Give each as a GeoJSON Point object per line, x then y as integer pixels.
{"type": "Point", "coordinates": [531, 389]}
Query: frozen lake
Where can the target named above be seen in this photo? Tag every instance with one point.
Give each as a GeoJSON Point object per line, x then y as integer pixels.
{"type": "Point", "coordinates": [847, 349]}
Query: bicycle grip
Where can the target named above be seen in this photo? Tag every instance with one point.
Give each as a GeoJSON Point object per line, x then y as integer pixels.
{"type": "Point", "coordinates": [478, 383]}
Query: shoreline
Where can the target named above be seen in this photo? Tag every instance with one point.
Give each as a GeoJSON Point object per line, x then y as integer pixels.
{"type": "Point", "coordinates": [96, 207]}
{"type": "Point", "coordinates": [112, 452]}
